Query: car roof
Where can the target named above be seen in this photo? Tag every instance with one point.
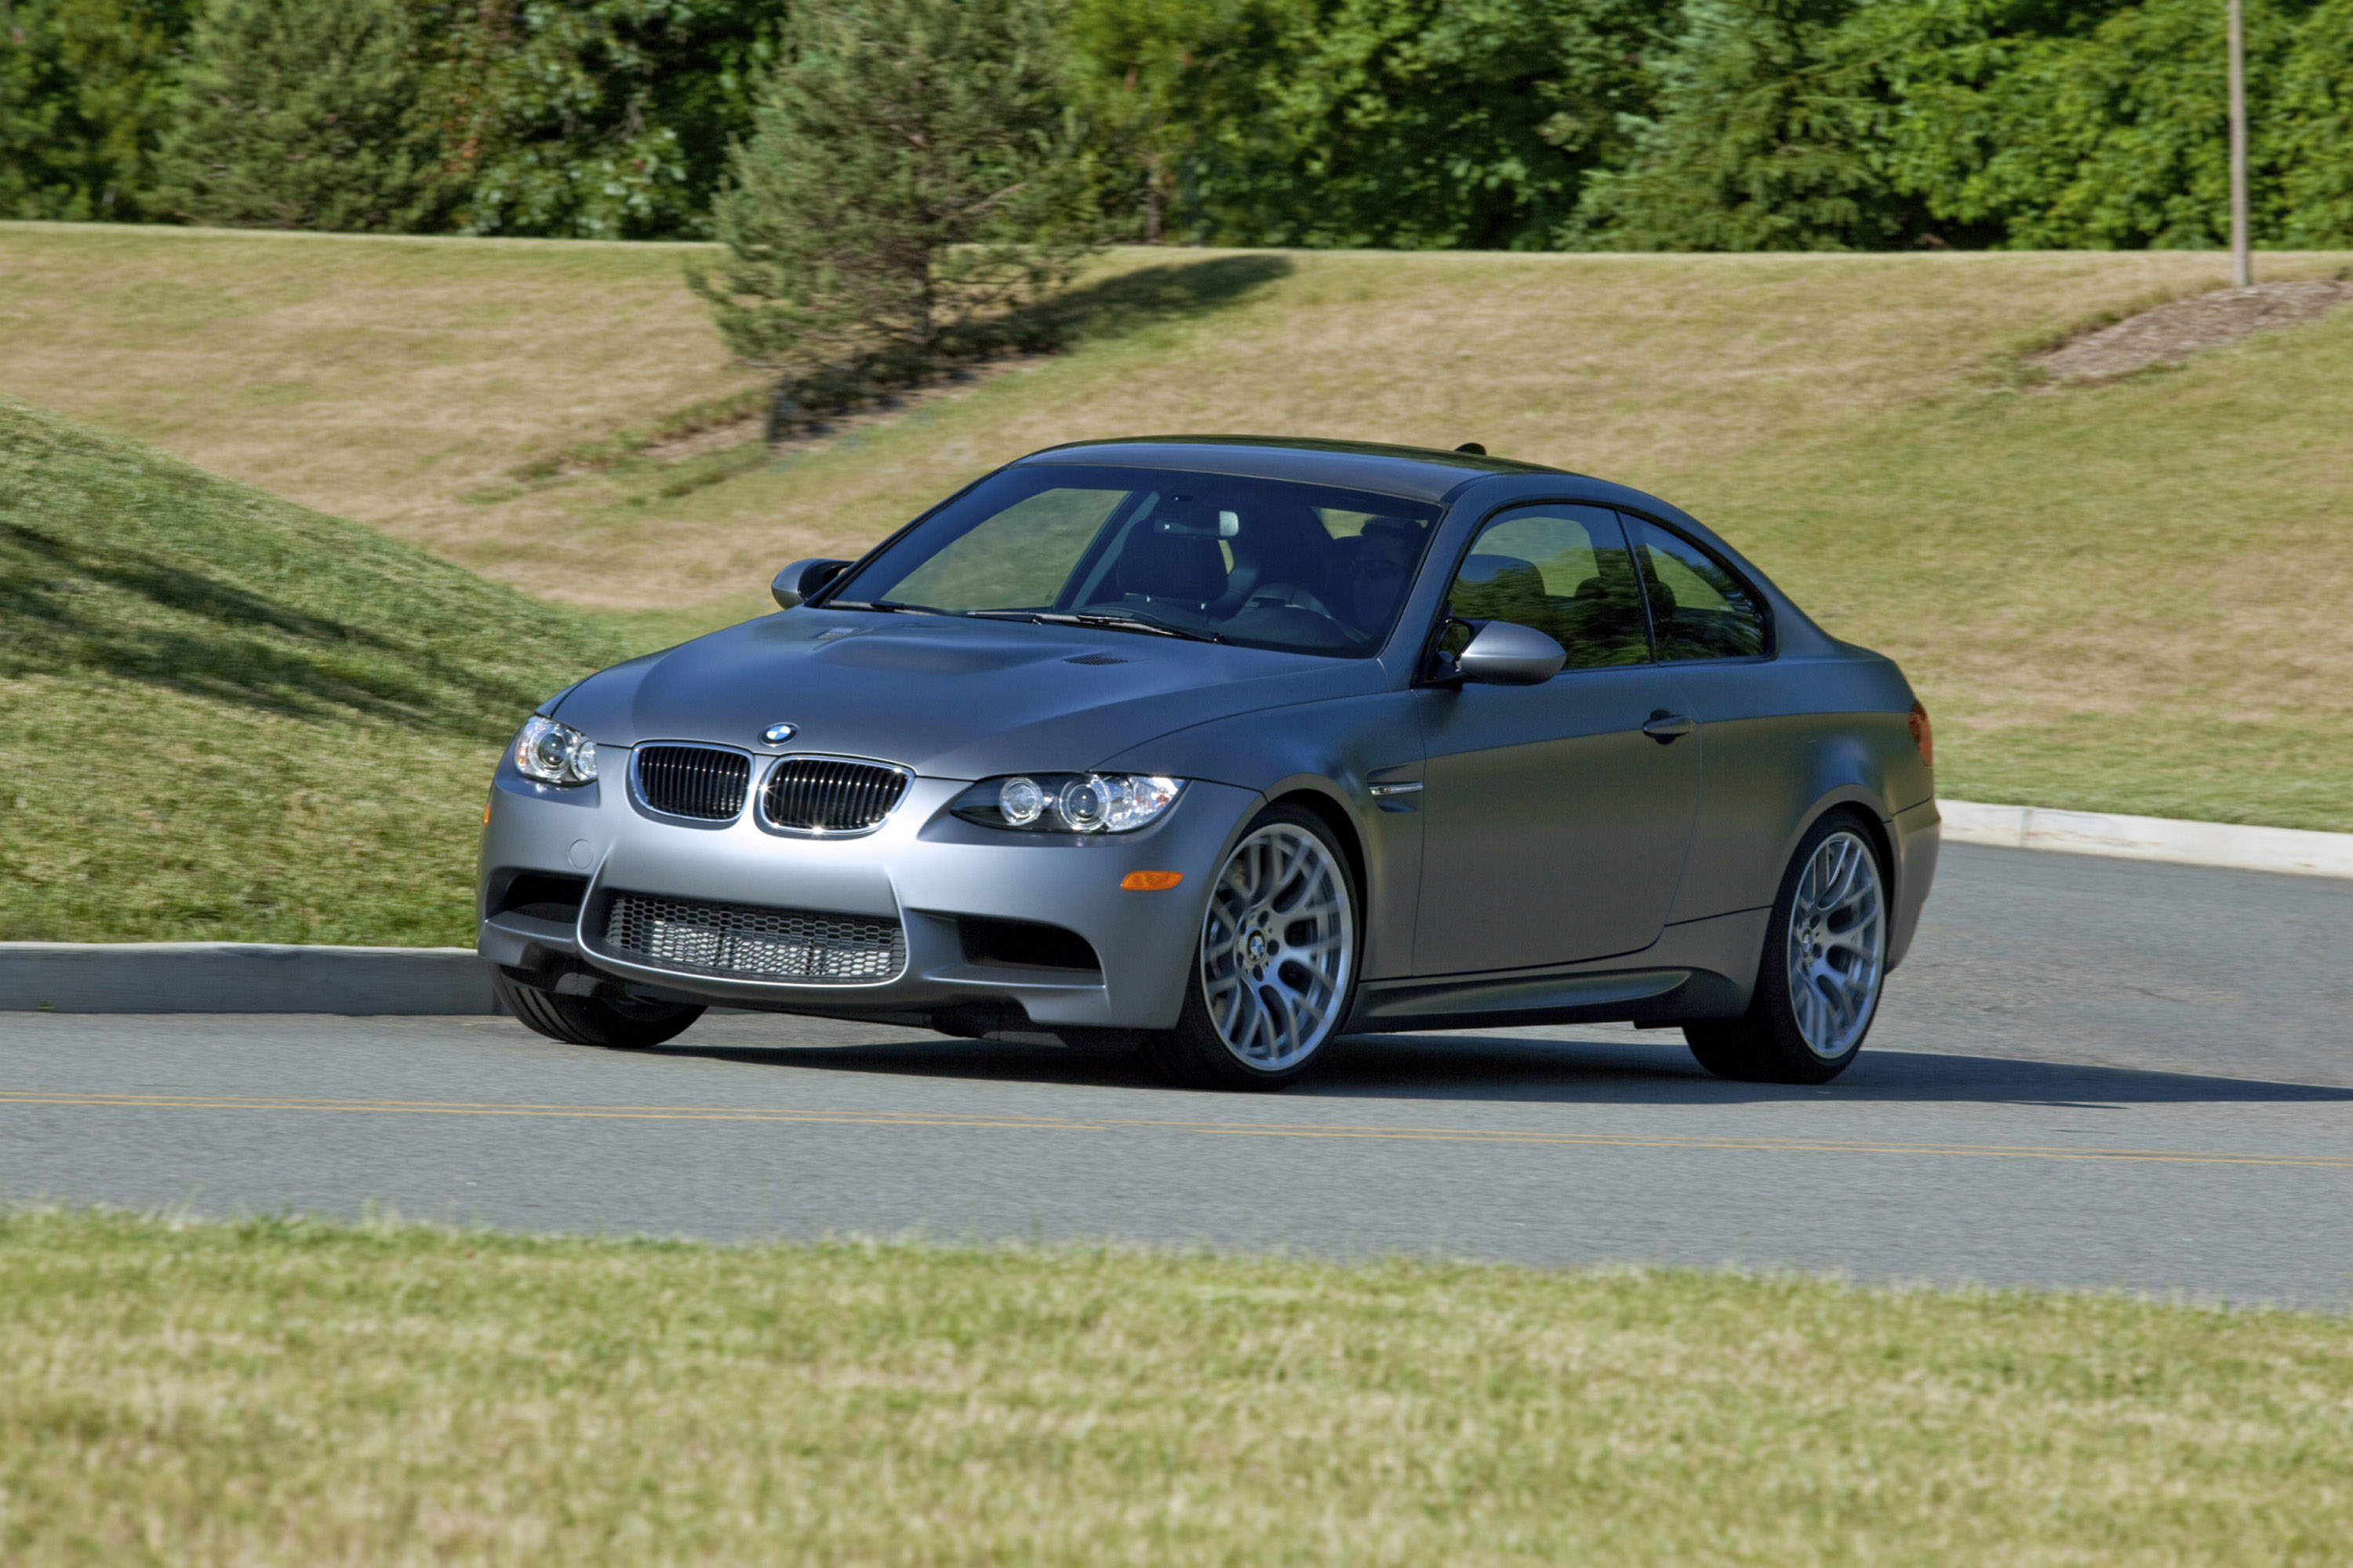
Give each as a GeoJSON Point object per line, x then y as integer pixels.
{"type": "Point", "coordinates": [1414, 474]}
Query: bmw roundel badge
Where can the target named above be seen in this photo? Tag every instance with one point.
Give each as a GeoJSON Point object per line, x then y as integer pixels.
{"type": "Point", "coordinates": [777, 734]}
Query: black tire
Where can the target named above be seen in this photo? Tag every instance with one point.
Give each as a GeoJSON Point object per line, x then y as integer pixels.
{"type": "Point", "coordinates": [626, 1025]}
{"type": "Point", "coordinates": [1768, 1044]}
{"type": "Point", "coordinates": [1195, 1055]}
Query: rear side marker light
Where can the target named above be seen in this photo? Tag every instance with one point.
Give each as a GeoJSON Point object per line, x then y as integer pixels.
{"type": "Point", "coordinates": [1923, 736]}
{"type": "Point", "coordinates": [1151, 881]}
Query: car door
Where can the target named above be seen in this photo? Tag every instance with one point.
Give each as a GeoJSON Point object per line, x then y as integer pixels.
{"type": "Point", "coordinates": [1710, 628]}
{"type": "Point", "coordinates": [1554, 823]}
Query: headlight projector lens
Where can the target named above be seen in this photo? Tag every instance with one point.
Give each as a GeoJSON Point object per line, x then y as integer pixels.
{"type": "Point", "coordinates": [554, 753]}
{"type": "Point", "coordinates": [1021, 801]}
{"type": "Point", "coordinates": [1084, 803]}
{"type": "Point", "coordinates": [1070, 802]}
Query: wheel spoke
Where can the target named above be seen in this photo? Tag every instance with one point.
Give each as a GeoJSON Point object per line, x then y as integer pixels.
{"type": "Point", "coordinates": [1273, 1001]}
{"type": "Point", "coordinates": [1836, 941]}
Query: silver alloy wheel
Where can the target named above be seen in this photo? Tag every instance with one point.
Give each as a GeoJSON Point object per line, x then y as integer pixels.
{"type": "Point", "coordinates": [1278, 947]}
{"type": "Point", "coordinates": [1838, 945]}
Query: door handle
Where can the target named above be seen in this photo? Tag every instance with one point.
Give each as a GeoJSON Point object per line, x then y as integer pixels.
{"type": "Point", "coordinates": [1666, 728]}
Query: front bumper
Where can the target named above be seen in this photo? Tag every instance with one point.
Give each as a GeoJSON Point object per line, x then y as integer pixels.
{"type": "Point", "coordinates": [929, 871]}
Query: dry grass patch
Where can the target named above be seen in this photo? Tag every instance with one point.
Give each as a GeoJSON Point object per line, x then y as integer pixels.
{"type": "Point", "coordinates": [376, 378]}
{"type": "Point", "coordinates": [291, 1391]}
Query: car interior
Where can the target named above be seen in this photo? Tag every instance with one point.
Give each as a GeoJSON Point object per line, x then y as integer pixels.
{"type": "Point", "coordinates": [1261, 567]}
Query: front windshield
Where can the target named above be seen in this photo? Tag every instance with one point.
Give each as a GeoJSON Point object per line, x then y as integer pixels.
{"type": "Point", "coordinates": [1254, 561]}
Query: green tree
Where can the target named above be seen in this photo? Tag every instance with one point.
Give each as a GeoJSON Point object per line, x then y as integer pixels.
{"type": "Point", "coordinates": [906, 190]}
{"type": "Point", "coordinates": [2307, 132]}
{"type": "Point", "coordinates": [85, 91]}
{"type": "Point", "coordinates": [1768, 125]}
{"type": "Point", "coordinates": [597, 118]}
{"type": "Point", "coordinates": [2083, 126]}
{"type": "Point", "coordinates": [1137, 67]}
{"type": "Point", "coordinates": [1414, 123]}
{"type": "Point", "coordinates": [300, 115]}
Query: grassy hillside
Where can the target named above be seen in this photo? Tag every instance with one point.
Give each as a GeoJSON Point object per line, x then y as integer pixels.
{"type": "Point", "coordinates": [298, 1393]}
{"type": "Point", "coordinates": [2118, 598]}
{"type": "Point", "coordinates": [225, 716]}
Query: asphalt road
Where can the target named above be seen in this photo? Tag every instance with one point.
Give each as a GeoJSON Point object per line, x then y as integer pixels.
{"type": "Point", "coordinates": [2091, 1073]}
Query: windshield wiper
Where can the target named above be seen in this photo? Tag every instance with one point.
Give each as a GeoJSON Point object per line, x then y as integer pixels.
{"type": "Point", "coordinates": [891, 604]}
{"type": "Point", "coordinates": [1107, 622]}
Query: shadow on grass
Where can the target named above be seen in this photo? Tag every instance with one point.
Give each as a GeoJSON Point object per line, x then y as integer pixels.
{"type": "Point", "coordinates": [138, 617]}
{"type": "Point", "coordinates": [1653, 1069]}
{"type": "Point", "coordinates": [1129, 302]}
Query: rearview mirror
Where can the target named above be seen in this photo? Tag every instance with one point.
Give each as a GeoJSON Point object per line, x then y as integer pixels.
{"type": "Point", "coordinates": [802, 578]}
{"type": "Point", "coordinates": [1503, 654]}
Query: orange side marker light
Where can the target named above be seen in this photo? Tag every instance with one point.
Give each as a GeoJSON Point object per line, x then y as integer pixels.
{"type": "Point", "coordinates": [1151, 881]}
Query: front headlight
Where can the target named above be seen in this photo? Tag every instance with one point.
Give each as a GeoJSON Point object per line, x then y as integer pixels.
{"type": "Point", "coordinates": [554, 753]}
{"type": "Point", "coordinates": [1068, 802]}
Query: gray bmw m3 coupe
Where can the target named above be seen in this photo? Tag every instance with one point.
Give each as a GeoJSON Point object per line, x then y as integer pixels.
{"type": "Point", "coordinates": [1222, 749]}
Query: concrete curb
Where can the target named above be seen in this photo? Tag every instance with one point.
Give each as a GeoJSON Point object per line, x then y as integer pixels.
{"type": "Point", "coordinates": [2293, 851]}
{"type": "Point", "coordinates": [240, 977]}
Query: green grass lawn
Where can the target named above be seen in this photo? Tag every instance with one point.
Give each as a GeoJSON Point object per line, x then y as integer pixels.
{"type": "Point", "coordinates": [300, 1393]}
{"type": "Point", "coordinates": [225, 716]}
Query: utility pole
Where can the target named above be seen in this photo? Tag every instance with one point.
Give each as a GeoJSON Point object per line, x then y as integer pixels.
{"type": "Point", "coordinates": [2242, 261]}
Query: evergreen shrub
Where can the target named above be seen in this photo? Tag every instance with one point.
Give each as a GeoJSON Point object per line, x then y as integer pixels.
{"type": "Point", "coordinates": [908, 195]}
{"type": "Point", "coordinates": [300, 115]}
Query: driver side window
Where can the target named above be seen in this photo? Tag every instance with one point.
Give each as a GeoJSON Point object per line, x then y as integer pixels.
{"type": "Point", "coordinates": [1564, 570]}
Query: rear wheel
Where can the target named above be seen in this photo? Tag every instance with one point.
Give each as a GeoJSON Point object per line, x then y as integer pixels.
{"type": "Point", "coordinates": [623, 1025]}
{"type": "Point", "coordinates": [1274, 973]}
{"type": "Point", "coordinates": [1825, 961]}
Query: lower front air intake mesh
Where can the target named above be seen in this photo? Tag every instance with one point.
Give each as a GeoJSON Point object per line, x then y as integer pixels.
{"type": "Point", "coordinates": [746, 941]}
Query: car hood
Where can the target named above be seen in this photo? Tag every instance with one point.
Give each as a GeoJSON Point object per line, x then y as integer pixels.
{"type": "Point", "coordinates": [950, 698]}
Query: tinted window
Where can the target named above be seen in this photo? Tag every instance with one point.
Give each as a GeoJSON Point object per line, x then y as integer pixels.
{"type": "Point", "coordinates": [1563, 571]}
{"type": "Point", "coordinates": [1699, 609]}
{"type": "Point", "coordinates": [1261, 562]}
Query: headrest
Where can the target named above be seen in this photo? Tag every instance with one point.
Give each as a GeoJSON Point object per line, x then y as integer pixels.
{"type": "Point", "coordinates": [1501, 571]}
{"type": "Point", "coordinates": [1161, 565]}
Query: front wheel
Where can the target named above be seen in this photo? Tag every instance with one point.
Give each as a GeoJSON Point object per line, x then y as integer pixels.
{"type": "Point", "coordinates": [623, 1025]}
{"type": "Point", "coordinates": [1819, 982]}
{"type": "Point", "coordinates": [1274, 973]}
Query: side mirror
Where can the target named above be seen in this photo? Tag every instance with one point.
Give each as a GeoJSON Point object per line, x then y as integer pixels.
{"type": "Point", "coordinates": [802, 578]}
{"type": "Point", "coordinates": [1503, 654]}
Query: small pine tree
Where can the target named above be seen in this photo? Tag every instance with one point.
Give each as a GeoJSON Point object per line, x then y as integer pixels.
{"type": "Point", "coordinates": [299, 114]}
{"type": "Point", "coordinates": [1763, 143]}
{"type": "Point", "coordinates": [906, 191]}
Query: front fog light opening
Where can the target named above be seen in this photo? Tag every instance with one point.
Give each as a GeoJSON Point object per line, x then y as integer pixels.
{"type": "Point", "coordinates": [554, 753]}
{"type": "Point", "coordinates": [1068, 802]}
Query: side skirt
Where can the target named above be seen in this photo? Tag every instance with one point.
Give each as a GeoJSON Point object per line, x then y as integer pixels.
{"type": "Point", "coordinates": [1700, 968]}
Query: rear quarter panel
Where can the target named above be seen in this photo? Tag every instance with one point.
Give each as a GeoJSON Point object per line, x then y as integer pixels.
{"type": "Point", "coordinates": [1783, 741]}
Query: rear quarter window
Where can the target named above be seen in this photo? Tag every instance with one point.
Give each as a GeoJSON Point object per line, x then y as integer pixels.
{"type": "Point", "coordinates": [1700, 608]}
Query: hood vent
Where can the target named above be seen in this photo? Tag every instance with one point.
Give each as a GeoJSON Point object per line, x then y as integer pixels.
{"type": "Point", "coordinates": [831, 794]}
{"type": "Point", "coordinates": [698, 781]}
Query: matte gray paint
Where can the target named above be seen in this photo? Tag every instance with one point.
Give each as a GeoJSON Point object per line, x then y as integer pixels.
{"type": "Point", "coordinates": [1470, 928]}
{"type": "Point", "coordinates": [1556, 830]}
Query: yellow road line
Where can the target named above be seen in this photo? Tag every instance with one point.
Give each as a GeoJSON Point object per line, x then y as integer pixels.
{"type": "Point", "coordinates": [1374, 1132]}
